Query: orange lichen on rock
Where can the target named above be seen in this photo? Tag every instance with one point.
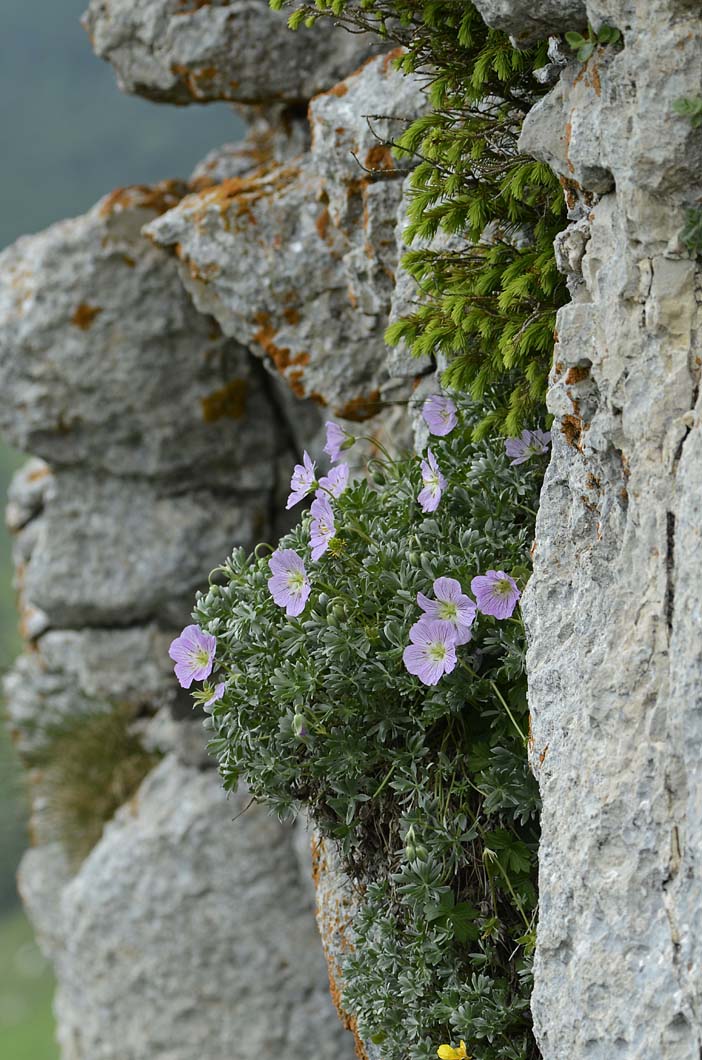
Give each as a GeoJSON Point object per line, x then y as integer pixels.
{"type": "Point", "coordinates": [577, 374]}
{"type": "Point", "coordinates": [390, 57]}
{"type": "Point", "coordinates": [360, 408]}
{"type": "Point", "coordinates": [334, 916]}
{"type": "Point", "coordinates": [157, 197]}
{"type": "Point", "coordinates": [379, 157]}
{"type": "Point", "coordinates": [280, 355]}
{"type": "Point", "coordinates": [85, 315]}
{"type": "Point", "coordinates": [572, 429]}
{"type": "Point", "coordinates": [229, 402]}
{"type": "Point", "coordinates": [322, 223]}
{"type": "Point", "coordinates": [244, 192]}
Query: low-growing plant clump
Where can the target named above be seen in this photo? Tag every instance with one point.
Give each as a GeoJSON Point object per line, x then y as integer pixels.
{"type": "Point", "coordinates": [371, 670]}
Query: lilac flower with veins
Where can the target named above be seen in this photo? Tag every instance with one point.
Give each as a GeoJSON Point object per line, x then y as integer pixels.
{"type": "Point", "coordinates": [450, 605]}
{"type": "Point", "coordinates": [439, 414]}
{"type": "Point", "coordinates": [337, 439]}
{"type": "Point", "coordinates": [529, 443]}
{"type": "Point", "coordinates": [434, 484]}
{"type": "Point", "coordinates": [322, 527]}
{"type": "Point", "coordinates": [335, 482]}
{"type": "Point", "coordinates": [302, 481]}
{"type": "Point", "coordinates": [432, 652]}
{"type": "Point", "coordinates": [289, 585]}
{"type": "Point", "coordinates": [193, 653]}
{"type": "Point", "coordinates": [216, 695]}
{"type": "Point", "coordinates": [496, 593]}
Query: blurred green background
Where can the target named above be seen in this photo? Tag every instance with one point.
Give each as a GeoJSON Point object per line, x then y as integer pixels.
{"type": "Point", "coordinates": [68, 137]}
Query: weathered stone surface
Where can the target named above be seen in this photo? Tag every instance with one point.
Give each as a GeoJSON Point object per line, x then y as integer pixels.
{"type": "Point", "coordinates": [69, 673]}
{"type": "Point", "coordinates": [186, 51]}
{"type": "Point", "coordinates": [105, 363]}
{"type": "Point", "coordinates": [186, 933]}
{"type": "Point", "coordinates": [140, 555]}
{"type": "Point", "coordinates": [612, 609]}
{"type": "Point", "coordinates": [338, 902]}
{"type": "Point", "coordinates": [530, 20]}
{"type": "Point", "coordinates": [297, 261]}
{"type": "Point", "coordinates": [275, 134]}
{"type": "Point", "coordinates": [43, 873]}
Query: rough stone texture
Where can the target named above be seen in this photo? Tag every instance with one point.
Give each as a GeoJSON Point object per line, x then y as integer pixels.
{"type": "Point", "coordinates": [187, 51]}
{"type": "Point", "coordinates": [73, 672]}
{"type": "Point", "coordinates": [612, 610]}
{"type": "Point", "coordinates": [141, 555]}
{"type": "Point", "coordinates": [297, 261]}
{"type": "Point", "coordinates": [528, 20]}
{"type": "Point", "coordinates": [187, 933]}
{"type": "Point", "coordinates": [338, 900]}
{"type": "Point", "coordinates": [105, 363]}
{"type": "Point", "coordinates": [275, 133]}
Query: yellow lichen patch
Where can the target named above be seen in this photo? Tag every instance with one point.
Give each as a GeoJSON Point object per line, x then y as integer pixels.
{"type": "Point", "coordinates": [229, 402]}
{"type": "Point", "coordinates": [84, 315]}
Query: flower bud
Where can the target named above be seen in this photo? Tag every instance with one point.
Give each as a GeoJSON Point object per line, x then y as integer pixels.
{"type": "Point", "coordinates": [299, 725]}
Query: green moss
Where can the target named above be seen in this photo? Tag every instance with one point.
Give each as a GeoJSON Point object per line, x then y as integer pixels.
{"type": "Point", "coordinates": [90, 767]}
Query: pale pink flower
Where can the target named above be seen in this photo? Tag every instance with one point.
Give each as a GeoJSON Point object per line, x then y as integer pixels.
{"type": "Point", "coordinates": [335, 482]}
{"type": "Point", "coordinates": [439, 414]}
{"type": "Point", "coordinates": [193, 653]}
{"type": "Point", "coordinates": [451, 605]}
{"type": "Point", "coordinates": [289, 585]}
{"type": "Point", "coordinates": [216, 695]}
{"type": "Point", "coordinates": [302, 481]}
{"type": "Point", "coordinates": [322, 527]}
{"type": "Point", "coordinates": [496, 592]}
{"type": "Point", "coordinates": [529, 443]}
{"type": "Point", "coordinates": [432, 652]}
{"type": "Point", "coordinates": [434, 484]}
{"type": "Point", "coordinates": [337, 439]}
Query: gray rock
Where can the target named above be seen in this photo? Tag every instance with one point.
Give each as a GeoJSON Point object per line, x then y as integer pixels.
{"type": "Point", "coordinates": [25, 497]}
{"type": "Point", "coordinates": [43, 873]}
{"type": "Point", "coordinates": [188, 51]}
{"type": "Point", "coordinates": [528, 21]}
{"type": "Point", "coordinates": [105, 363]}
{"type": "Point", "coordinates": [188, 932]}
{"type": "Point", "coordinates": [297, 261]}
{"type": "Point", "coordinates": [70, 673]}
{"type": "Point", "coordinates": [110, 552]}
{"type": "Point", "coordinates": [338, 902]}
{"type": "Point", "coordinates": [612, 609]}
{"type": "Point", "coordinates": [275, 134]}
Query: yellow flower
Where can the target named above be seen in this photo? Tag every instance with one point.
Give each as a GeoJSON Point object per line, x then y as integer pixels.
{"type": "Point", "coordinates": [448, 1052]}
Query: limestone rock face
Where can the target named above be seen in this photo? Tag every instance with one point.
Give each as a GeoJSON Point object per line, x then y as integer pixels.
{"type": "Point", "coordinates": [189, 51]}
{"type": "Point", "coordinates": [528, 20]}
{"type": "Point", "coordinates": [186, 933]}
{"type": "Point", "coordinates": [612, 610]}
{"type": "Point", "coordinates": [297, 261]}
{"type": "Point", "coordinates": [105, 363]}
